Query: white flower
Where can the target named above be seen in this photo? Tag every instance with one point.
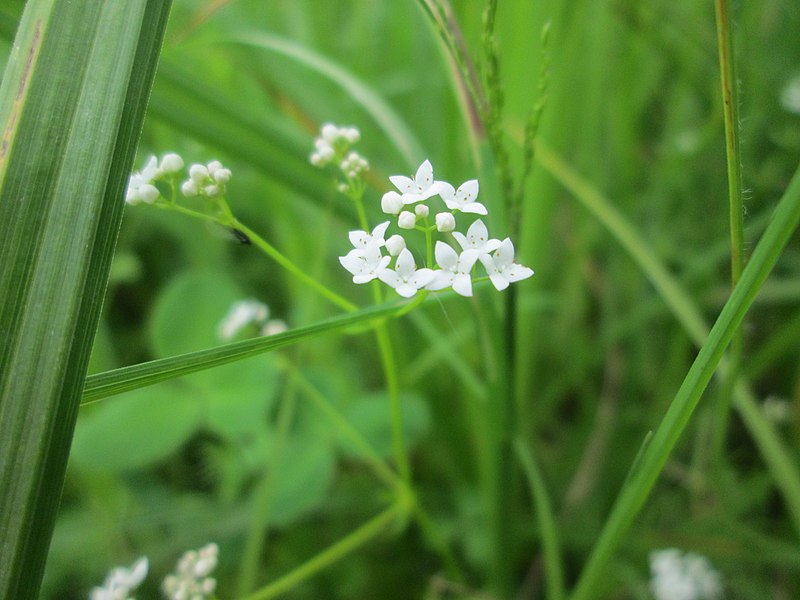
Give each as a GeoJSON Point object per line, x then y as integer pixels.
{"type": "Point", "coordinates": [198, 173]}
{"type": "Point", "coordinates": [406, 220]}
{"type": "Point", "coordinates": [240, 315]}
{"type": "Point", "coordinates": [140, 184]}
{"type": "Point", "coordinates": [420, 188]}
{"type": "Point", "coordinates": [362, 239]}
{"type": "Point", "coordinates": [170, 163]}
{"type": "Point", "coordinates": [121, 581]}
{"type": "Point", "coordinates": [501, 267]}
{"type": "Point", "coordinates": [329, 133]}
{"type": "Point", "coordinates": [189, 188]}
{"type": "Point", "coordinates": [463, 199]}
{"type": "Point", "coordinates": [674, 576]}
{"type": "Point", "coordinates": [395, 245]}
{"type": "Point", "coordinates": [406, 279]}
{"type": "Point", "coordinates": [455, 270]}
{"type": "Point", "coordinates": [445, 222]}
{"type": "Point", "coordinates": [191, 580]}
{"type": "Point", "coordinates": [274, 326]}
{"type": "Point", "coordinates": [391, 203]}
{"type": "Point", "coordinates": [477, 238]}
{"type": "Point", "coordinates": [365, 264]}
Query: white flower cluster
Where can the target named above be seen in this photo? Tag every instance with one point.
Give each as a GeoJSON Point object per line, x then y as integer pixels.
{"type": "Point", "coordinates": [191, 579]}
{"type": "Point", "coordinates": [366, 260]}
{"type": "Point", "coordinates": [121, 581]}
{"type": "Point", "coordinates": [244, 313]}
{"type": "Point", "coordinates": [332, 143]}
{"type": "Point", "coordinates": [204, 180]}
{"type": "Point", "coordinates": [678, 576]}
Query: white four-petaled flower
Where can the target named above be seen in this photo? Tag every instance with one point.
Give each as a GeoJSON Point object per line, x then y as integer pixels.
{"type": "Point", "coordinates": [420, 188]}
{"type": "Point", "coordinates": [406, 279]}
{"type": "Point", "coordinates": [362, 239]}
{"type": "Point", "coordinates": [365, 264]}
{"type": "Point", "coordinates": [477, 239]}
{"type": "Point", "coordinates": [462, 199]}
{"type": "Point", "coordinates": [455, 269]}
{"type": "Point", "coordinates": [501, 267]}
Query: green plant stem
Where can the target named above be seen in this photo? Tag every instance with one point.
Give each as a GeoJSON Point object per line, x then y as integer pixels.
{"type": "Point", "coordinates": [730, 103]}
{"type": "Point", "coordinates": [361, 536]}
{"type": "Point", "coordinates": [393, 390]}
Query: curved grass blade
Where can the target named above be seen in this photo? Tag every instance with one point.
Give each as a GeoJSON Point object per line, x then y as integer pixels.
{"type": "Point", "coordinates": [385, 116]}
{"type": "Point", "coordinates": [109, 383]}
{"type": "Point", "coordinates": [72, 102]}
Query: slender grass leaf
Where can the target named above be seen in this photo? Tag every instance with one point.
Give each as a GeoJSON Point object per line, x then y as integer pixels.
{"type": "Point", "coordinates": [121, 380]}
{"type": "Point", "coordinates": [71, 105]}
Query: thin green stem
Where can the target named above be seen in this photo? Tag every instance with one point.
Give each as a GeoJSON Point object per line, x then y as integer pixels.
{"type": "Point", "coordinates": [730, 103]}
{"type": "Point", "coordinates": [393, 390]}
{"type": "Point", "coordinates": [351, 542]}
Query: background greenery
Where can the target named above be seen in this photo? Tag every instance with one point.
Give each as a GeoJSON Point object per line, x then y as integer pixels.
{"type": "Point", "coordinates": [633, 106]}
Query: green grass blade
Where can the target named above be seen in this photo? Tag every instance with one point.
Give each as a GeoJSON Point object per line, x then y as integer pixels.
{"type": "Point", "coordinates": [109, 383]}
{"type": "Point", "coordinates": [633, 496]}
{"type": "Point", "coordinates": [71, 105]}
{"type": "Point", "coordinates": [384, 115]}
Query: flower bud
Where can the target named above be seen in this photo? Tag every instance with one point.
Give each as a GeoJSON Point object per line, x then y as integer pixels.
{"type": "Point", "coordinates": [189, 188]}
{"type": "Point", "coordinates": [395, 245]}
{"type": "Point", "coordinates": [222, 175]}
{"type": "Point", "coordinates": [198, 173]}
{"type": "Point", "coordinates": [391, 203]}
{"type": "Point", "coordinates": [406, 220]}
{"type": "Point", "coordinates": [148, 193]}
{"type": "Point", "coordinates": [330, 132]}
{"type": "Point", "coordinates": [171, 163]}
{"type": "Point", "coordinates": [445, 222]}
{"type": "Point", "coordinates": [214, 166]}
{"type": "Point", "coordinates": [421, 211]}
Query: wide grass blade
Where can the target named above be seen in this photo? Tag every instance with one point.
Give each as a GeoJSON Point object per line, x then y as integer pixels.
{"type": "Point", "coordinates": [129, 378]}
{"type": "Point", "coordinates": [71, 106]}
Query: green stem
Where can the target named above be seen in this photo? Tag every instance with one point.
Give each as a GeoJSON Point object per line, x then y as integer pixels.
{"type": "Point", "coordinates": [390, 371]}
{"type": "Point", "coordinates": [730, 103]}
{"type": "Point", "coordinates": [361, 536]}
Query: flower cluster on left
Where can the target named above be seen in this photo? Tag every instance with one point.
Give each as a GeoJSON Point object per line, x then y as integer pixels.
{"type": "Point", "coordinates": [203, 180]}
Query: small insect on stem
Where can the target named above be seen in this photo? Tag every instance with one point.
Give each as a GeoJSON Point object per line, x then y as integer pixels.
{"type": "Point", "coordinates": [241, 237]}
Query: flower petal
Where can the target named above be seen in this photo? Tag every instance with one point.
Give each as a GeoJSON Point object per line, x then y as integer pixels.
{"type": "Point", "coordinates": [405, 184]}
{"type": "Point", "coordinates": [462, 285]}
{"type": "Point", "coordinates": [424, 176]}
{"type": "Point", "coordinates": [405, 266]}
{"type": "Point", "coordinates": [446, 257]}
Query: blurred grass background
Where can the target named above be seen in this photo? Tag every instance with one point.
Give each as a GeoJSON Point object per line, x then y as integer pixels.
{"type": "Point", "coordinates": [634, 107]}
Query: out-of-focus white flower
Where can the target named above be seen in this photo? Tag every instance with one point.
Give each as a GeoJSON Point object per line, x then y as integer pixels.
{"type": "Point", "coordinates": [206, 180]}
{"type": "Point", "coordinates": [121, 581]}
{"type": "Point", "coordinates": [170, 163]}
{"type": "Point", "coordinates": [406, 279]}
{"type": "Point", "coordinates": [240, 315]}
{"type": "Point", "coordinates": [140, 185]}
{"type": "Point", "coordinates": [501, 267]}
{"type": "Point", "coordinates": [274, 326]}
{"type": "Point", "coordinates": [191, 579]}
{"type": "Point", "coordinates": [790, 95]}
{"type": "Point", "coordinates": [675, 576]}
{"type": "Point", "coordinates": [333, 142]}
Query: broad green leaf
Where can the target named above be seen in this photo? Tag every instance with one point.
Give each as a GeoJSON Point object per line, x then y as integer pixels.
{"type": "Point", "coordinates": [137, 430]}
{"type": "Point", "coordinates": [72, 101]}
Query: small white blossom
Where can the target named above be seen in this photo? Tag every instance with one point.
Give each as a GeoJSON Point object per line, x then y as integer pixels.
{"type": "Point", "coordinates": [406, 279]}
{"type": "Point", "coordinates": [501, 267]}
{"type": "Point", "coordinates": [353, 165]}
{"type": "Point", "coordinates": [395, 245]}
{"type": "Point", "coordinates": [329, 133]}
{"type": "Point", "coordinates": [463, 199]}
{"type": "Point", "coordinates": [121, 581]}
{"type": "Point", "coordinates": [170, 163]}
{"type": "Point", "coordinates": [421, 211]}
{"type": "Point", "coordinates": [454, 270]}
{"type": "Point", "coordinates": [477, 238]}
{"type": "Point", "coordinates": [445, 222]}
{"type": "Point", "coordinates": [240, 315]}
{"type": "Point", "coordinates": [391, 203]}
{"type": "Point", "coordinates": [140, 185]}
{"type": "Point", "coordinates": [675, 576]}
{"type": "Point", "coordinates": [206, 180]}
{"type": "Point", "coordinates": [362, 239]}
{"type": "Point", "coordinates": [420, 188]}
{"type": "Point", "coordinates": [365, 264]}
{"type": "Point", "coordinates": [189, 188]}
{"type": "Point", "coordinates": [351, 134]}
{"type": "Point", "coordinates": [273, 327]}
{"type": "Point", "coordinates": [198, 173]}
{"type": "Point", "coordinates": [406, 220]}
{"type": "Point", "coordinates": [191, 580]}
